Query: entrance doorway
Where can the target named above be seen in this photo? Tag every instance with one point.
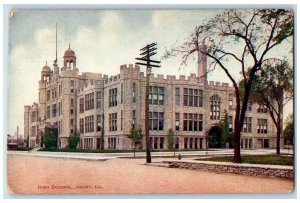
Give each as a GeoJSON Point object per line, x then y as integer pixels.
{"type": "Point", "coordinates": [215, 137]}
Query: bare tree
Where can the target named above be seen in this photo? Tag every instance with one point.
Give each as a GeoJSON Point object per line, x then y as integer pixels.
{"type": "Point", "coordinates": [238, 40]}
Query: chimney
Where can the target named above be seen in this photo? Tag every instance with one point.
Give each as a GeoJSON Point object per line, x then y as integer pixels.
{"type": "Point", "coordinates": [202, 63]}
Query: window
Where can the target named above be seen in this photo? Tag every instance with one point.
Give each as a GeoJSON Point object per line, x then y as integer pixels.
{"type": "Point", "coordinates": [247, 125]}
{"type": "Point", "coordinates": [161, 142]}
{"type": "Point", "coordinates": [89, 101]}
{"type": "Point", "coordinates": [262, 109]}
{"type": "Point", "coordinates": [156, 95]}
{"type": "Point", "coordinates": [59, 108]}
{"type": "Point", "coordinates": [156, 121]}
{"type": "Point", "coordinates": [230, 124]}
{"type": "Point", "coordinates": [81, 105]}
{"type": "Point", "coordinates": [98, 95]}
{"type": "Point", "coordinates": [72, 86]}
{"type": "Point", "coordinates": [177, 96]}
{"type": "Point", "coordinates": [134, 92]}
{"type": "Point", "coordinates": [89, 124]}
{"type": "Point", "coordinates": [113, 122]}
{"type": "Point", "coordinates": [121, 120]}
{"type": "Point", "coordinates": [185, 142]}
{"type": "Point", "coordinates": [112, 143]}
{"type": "Point", "coordinates": [250, 143]}
{"type": "Point", "coordinates": [262, 126]}
{"type": "Point", "coordinates": [122, 93]}
{"type": "Point", "coordinates": [192, 122]}
{"type": "Point", "coordinates": [134, 119]}
{"type": "Point", "coordinates": [155, 142]}
{"type": "Point", "coordinates": [88, 143]}
{"type": "Point", "coordinates": [48, 95]}
{"type": "Point", "coordinates": [176, 142]}
{"type": "Point", "coordinates": [191, 143]}
{"type": "Point", "coordinates": [248, 107]}
{"type": "Point", "coordinates": [33, 131]}
{"type": "Point", "coordinates": [48, 111]}
{"type": "Point", "coordinates": [196, 143]}
{"type": "Point", "coordinates": [58, 128]}
{"type": "Point", "coordinates": [59, 90]}
{"type": "Point", "coordinates": [192, 97]}
{"type": "Point", "coordinates": [81, 125]}
{"type": "Point", "coordinates": [113, 97]}
{"type": "Point", "coordinates": [34, 116]}
{"type": "Point", "coordinates": [54, 110]}
{"type": "Point", "coordinates": [72, 124]}
{"type": "Point", "coordinates": [177, 121]}
{"type": "Point", "coordinates": [72, 106]}
{"type": "Point", "coordinates": [53, 95]}
{"type": "Point", "coordinates": [230, 101]}
{"type": "Point", "coordinates": [215, 107]}
{"type": "Point", "coordinates": [98, 123]}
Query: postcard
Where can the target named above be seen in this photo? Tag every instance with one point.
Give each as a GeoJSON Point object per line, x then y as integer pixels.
{"type": "Point", "coordinates": [150, 101]}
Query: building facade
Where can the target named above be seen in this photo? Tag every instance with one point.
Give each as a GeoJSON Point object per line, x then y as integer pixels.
{"type": "Point", "coordinates": [104, 109]}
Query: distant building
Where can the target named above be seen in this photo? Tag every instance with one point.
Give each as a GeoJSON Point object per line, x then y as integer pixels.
{"type": "Point", "coordinates": [104, 109]}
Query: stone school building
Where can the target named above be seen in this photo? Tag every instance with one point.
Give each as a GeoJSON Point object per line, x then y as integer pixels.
{"type": "Point", "coordinates": [104, 109]}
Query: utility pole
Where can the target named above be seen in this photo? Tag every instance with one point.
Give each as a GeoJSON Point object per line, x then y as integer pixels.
{"type": "Point", "coordinates": [147, 52]}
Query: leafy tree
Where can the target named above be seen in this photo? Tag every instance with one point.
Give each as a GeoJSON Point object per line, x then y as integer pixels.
{"type": "Point", "coordinates": [273, 88]}
{"type": "Point", "coordinates": [170, 139]}
{"type": "Point", "coordinates": [224, 125]}
{"type": "Point", "coordinates": [136, 137]}
{"type": "Point", "coordinates": [235, 39]}
{"type": "Point", "coordinates": [73, 140]}
{"type": "Point", "coordinates": [50, 140]}
{"type": "Point", "coordinates": [289, 130]}
{"type": "Point", "coordinates": [215, 137]}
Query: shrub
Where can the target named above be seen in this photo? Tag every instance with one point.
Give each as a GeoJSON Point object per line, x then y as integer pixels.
{"type": "Point", "coordinates": [170, 139]}
{"type": "Point", "coordinates": [50, 140]}
{"type": "Point", "coordinates": [73, 140]}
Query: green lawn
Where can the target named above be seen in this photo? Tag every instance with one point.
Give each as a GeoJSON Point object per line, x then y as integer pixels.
{"type": "Point", "coordinates": [256, 159]}
{"type": "Point", "coordinates": [106, 150]}
{"type": "Point", "coordinates": [23, 149]}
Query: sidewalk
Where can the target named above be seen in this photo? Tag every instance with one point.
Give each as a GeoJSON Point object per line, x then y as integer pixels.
{"type": "Point", "coordinates": [105, 156]}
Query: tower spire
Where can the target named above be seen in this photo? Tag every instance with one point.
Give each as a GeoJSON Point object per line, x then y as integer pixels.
{"type": "Point", "coordinates": [56, 42]}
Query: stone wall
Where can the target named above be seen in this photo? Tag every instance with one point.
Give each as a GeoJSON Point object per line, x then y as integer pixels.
{"type": "Point", "coordinates": [244, 169]}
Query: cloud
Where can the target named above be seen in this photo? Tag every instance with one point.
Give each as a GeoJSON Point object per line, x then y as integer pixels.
{"type": "Point", "coordinates": [95, 44]}
{"type": "Point", "coordinates": [102, 41]}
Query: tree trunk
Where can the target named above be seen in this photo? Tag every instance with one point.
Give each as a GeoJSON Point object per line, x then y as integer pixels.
{"type": "Point", "coordinates": [278, 133]}
{"type": "Point", "coordinates": [279, 122]}
{"type": "Point", "coordinates": [237, 147]}
{"type": "Point", "coordinates": [237, 133]}
{"type": "Point", "coordinates": [278, 141]}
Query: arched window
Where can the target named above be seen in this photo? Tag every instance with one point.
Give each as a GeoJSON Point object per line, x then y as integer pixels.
{"type": "Point", "coordinates": [215, 107]}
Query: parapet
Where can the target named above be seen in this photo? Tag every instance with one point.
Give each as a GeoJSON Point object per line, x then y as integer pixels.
{"type": "Point", "coordinates": [217, 84]}
{"type": "Point", "coordinates": [130, 67]}
{"type": "Point", "coordinates": [90, 84]}
{"type": "Point", "coordinates": [27, 108]}
{"type": "Point", "coordinates": [92, 76]}
{"type": "Point", "coordinates": [129, 70]}
{"type": "Point", "coordinates": [112, 79]}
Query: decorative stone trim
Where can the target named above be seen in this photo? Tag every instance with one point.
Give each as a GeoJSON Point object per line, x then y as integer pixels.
{"type": "Point", "coordinates": [243, 169]}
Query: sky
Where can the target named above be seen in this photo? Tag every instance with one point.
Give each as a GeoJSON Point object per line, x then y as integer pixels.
{"type": "Point", "coordinates": [102, 40]}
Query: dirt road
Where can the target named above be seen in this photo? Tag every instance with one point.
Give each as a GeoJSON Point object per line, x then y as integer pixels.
{"type": "Point", "coordinates": [40, 175]}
